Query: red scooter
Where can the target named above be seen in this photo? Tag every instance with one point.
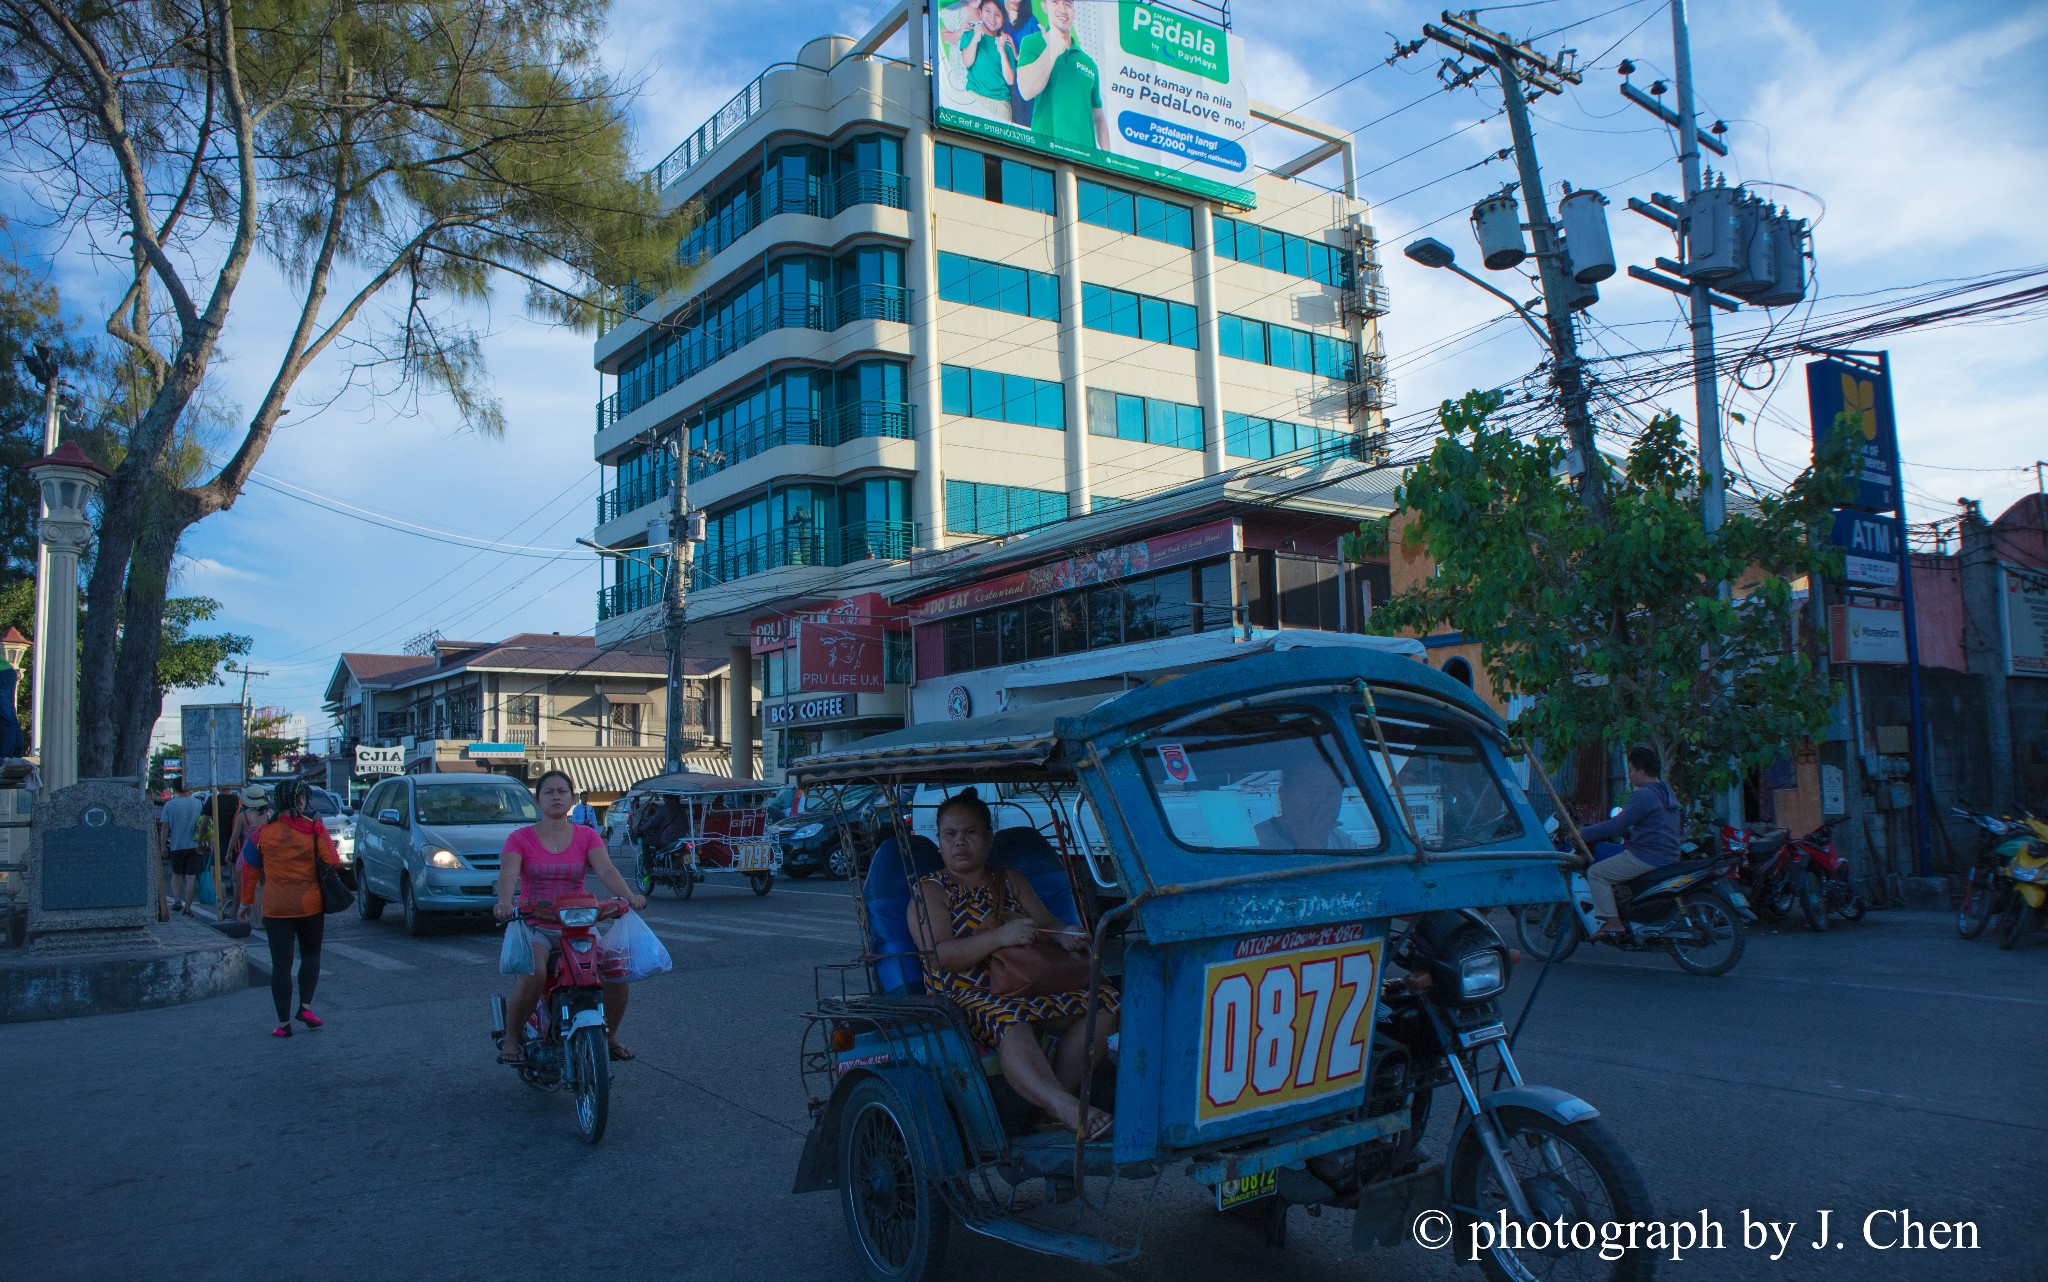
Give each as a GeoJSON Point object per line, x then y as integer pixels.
{"type": "Point", "coordinates": [1766, 870]}
{"type": "Point", "coordinates": [1822, 879]}
{"type": "Point", "coordinates": [565, 1041]}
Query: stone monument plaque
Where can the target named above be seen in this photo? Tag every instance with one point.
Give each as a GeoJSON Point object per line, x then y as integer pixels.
{"type": "Point", "coordinates": [92, 865]}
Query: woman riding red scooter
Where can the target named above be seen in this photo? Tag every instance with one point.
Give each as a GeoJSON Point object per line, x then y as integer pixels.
{"type": "Point", "coordinates": [544, 862]}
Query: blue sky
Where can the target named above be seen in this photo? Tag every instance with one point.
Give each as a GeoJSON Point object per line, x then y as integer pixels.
{"type": "Point", "coordinates": [1914, 134]}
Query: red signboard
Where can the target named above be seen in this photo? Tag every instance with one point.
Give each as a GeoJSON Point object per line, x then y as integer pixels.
{"type": "Point", "coordinates": [1156, 553]}
{"type": "Point", "coordinates": [773, 632]}
{"type": "Point", "coordinates": [839, 657]}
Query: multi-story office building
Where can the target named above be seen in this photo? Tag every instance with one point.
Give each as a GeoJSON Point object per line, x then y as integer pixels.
{"type": "Point", "coordinates": [903, 339]}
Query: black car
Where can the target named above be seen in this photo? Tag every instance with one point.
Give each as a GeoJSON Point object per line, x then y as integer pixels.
{"type": "Point", "coordinates": [811, 835]}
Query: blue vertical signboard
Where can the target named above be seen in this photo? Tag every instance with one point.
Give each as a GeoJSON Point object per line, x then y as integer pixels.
{"type": "Point", "coordinates": [1834, 388]}
{"type": "Point", "coordinates": [1871, 530]}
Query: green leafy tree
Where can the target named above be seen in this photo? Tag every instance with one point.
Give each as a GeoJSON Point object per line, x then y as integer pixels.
{"type": "Point", "coordinates": [1618, 631]}
{"type": "Point", "coordinates": [268, 744]}
{"type": "Point", "coordinates": [393, 161]}
{"type": "Point", "coordinates": [168, 752]}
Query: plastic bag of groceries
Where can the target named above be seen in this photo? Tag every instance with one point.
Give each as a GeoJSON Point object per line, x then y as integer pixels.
{"type": "Point", "coordinates": [515, 957]}
{"type": "Point", "coordinates": [631, 952]}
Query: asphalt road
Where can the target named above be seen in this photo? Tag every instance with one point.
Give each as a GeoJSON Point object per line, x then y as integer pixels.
{"type": "Point", "coordinates": [1887, 1067]}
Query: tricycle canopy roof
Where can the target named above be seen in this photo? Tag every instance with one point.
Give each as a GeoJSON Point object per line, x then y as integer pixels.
{"type": "Point", "coordinates": [1042, 741]}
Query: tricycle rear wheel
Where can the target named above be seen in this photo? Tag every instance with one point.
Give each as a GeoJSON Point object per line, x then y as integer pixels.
{"type": "Point", "coordinates": [763, 882]}
{"type": "Point", "coordinates": [894, 1214]}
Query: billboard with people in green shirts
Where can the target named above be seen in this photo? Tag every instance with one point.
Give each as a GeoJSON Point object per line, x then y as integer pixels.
{"type": "Point", "coordinates": [1136, 88]}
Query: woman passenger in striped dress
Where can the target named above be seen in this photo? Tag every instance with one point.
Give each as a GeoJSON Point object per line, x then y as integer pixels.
{"type": "Point", "coordinates": [962, 915]}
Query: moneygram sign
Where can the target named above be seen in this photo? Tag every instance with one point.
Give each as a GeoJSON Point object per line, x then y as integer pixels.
{"type": "Point", "coordinates": [1135, 89]}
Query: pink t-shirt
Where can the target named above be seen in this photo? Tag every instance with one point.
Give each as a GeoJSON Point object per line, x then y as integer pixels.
{"type": "Point", "coordinates": [545, 874]}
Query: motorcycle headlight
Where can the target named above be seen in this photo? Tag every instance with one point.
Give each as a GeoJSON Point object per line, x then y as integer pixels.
{"type": "Point", "coordinates": [1481, 974]}
{"type": "Point", "coordinates": [578, 916]}
{"type": "Point", "coordinates": [807, 832]}
{"type": "Point", "coordinates": [443, 858]}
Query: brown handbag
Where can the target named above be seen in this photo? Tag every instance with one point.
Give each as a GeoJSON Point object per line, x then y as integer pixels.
{"type": "Point", "coordinates": [1037, 969]}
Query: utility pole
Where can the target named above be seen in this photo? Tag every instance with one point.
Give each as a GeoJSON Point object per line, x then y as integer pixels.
{"type": "Point", "coordinates": [1705, 378]}
{"type": "Point", "coordinates": [682, 536]}
{"type": "Point", "coordinates": [42, 365]}
{"type": "Point", "coordinates": [1526, 74]}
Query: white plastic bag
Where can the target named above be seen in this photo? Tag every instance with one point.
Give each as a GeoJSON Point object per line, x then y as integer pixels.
{"type": "Point", "coordinates": [516, 956]}
{"type": "Point", "coordinates": [633, 951]}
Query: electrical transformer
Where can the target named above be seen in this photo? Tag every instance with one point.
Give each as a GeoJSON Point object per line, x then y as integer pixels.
{"type": "Point", "coordinates": [1712, 249]}
{"type": "Point", "coordinates": [1788, 281]}
{"type": "Point", "coordinates": [1498, 229]}
{"type": "Point", "coordinates": [1589, 249]}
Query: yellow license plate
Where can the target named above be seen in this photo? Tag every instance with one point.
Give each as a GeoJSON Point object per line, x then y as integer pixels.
{"type": "Point", "coordinates": [1246, 1188]}
{"type": "Point", "coordinates": [753, 857]}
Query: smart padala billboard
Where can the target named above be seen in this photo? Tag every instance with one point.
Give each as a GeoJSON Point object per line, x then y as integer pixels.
{"type": "Point", "coordinates": [1133, 88]}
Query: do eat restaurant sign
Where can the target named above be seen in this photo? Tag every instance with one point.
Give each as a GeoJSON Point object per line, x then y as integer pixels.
{"type": "Point", "coordinates": [1157, 553]}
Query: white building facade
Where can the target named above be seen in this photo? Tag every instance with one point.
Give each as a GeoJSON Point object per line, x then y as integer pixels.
{"type": "Point", "coordinates": [903, 339]}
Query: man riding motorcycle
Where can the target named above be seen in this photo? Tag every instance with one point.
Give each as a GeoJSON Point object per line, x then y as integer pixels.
{"type": "Point", "coordinates": [1648, 828]}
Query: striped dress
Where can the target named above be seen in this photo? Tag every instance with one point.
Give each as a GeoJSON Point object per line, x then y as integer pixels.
{"type": "Point", "coordinates": [976, 909]}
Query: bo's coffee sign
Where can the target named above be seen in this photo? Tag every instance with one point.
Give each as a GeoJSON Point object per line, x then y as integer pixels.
{"type": "Point", "coordinates": [797, 714]}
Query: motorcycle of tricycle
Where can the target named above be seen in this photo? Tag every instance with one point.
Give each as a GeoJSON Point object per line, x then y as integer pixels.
{"type": "Point", "coordinates": [1689, 909]}
{"type": "Point", "coordinates": [566, 1043]}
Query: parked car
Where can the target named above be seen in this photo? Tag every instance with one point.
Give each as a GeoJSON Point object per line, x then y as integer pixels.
{"type": "Point", "coordinates": [810, 836]}
{"type": "Point", "coordinates": [430, 843]}
{"type": "Point", "coordinates": [333, 815]}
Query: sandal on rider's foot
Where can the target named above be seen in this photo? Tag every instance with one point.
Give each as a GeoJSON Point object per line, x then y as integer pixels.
{"type": "Point", "coordinates": [511, 1054]}
{"type": "Point", "coordinates": [620, 1053]}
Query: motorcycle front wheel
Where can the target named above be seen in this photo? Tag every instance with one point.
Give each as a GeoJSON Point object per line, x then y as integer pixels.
{"type": "Point", "coordinates": [1813, 900]}
{"type": "Point", "coordinates": [1974, 913]}
{"type": "Point", "coordinates": [590, 1067]}
{"type": "Point", "coordinates": [1716, 937]}
{"type": "Point", "coordinates": [2013, 923]}
{"type": "Point", "coordinates": [1548, 932]}
{"type": "Point", "coordinates": [1575, 1173]}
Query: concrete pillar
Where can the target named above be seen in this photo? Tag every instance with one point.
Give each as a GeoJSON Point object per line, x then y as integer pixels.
{"type": "Point", "coordinates": [928, 495]}
{"type": "Point", "coordinates": [1073, 365]}
{"type": "Point", "coordinates": [739, 686]}
{"type": "Point", "coordinates": [65, 482]}
{"type": "Point", "coordinates": [1208, 368]}
{"type": "Point", "coordinates": [1984, 654]}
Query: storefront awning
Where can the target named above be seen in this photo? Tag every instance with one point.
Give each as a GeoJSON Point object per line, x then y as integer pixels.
{"type": "Point", "coordinates": [716, 763]}
{"type": "Point", "coordinates": [608, 772]}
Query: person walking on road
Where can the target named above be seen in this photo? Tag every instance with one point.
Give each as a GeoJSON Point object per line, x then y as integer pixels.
{"type": "Point", "coordinates": [583, 812]}
{"type": "Point", "coordinates": [282, 857]}
{"type": "Point", "coordinates": [181, 839]}
{"type": "Point", "coordinates": [541, 863]}
{"type": "Point", "coordinates": [250, 817]}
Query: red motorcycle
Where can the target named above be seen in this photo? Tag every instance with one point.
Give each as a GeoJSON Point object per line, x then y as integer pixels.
{"type": "Point", "coordinates": [565, 1041]}
{"type": "Point", "coordinates": [1822, 879]}
{"type": "Point", "coordinates": [1767, 871]}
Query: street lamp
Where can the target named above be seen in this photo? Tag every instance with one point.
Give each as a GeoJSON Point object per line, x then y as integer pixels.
{"type": "Point", "coordinates": [13, 648]}
{"type": "Point", "coordinates": [1431, 252]}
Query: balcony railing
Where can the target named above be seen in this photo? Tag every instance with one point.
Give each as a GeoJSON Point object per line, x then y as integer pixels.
{"type": "Point", "coordinates": [625, 598]}
{"type": "Point", "coordinates": [692, 150]}
{"type": "Point", "coordinates": [820, 197]}
{"type": "Point", "coordinates": [794, 545]}
{"type": "Point", "coordinates": [700, 348]}
{"type": "Point", "coordinates": [615, 503]}
{"type": "Point", "coordinates": [835, 426]}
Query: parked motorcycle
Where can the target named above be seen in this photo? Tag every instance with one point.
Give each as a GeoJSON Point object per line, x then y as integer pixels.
{"type": "Point", "coordinates": [2028, 874]}
{"type": "Point", "coordinates": [566, 1043]}
{"type": "Point", "coordinates": [1985, 886]}
{"type": "Point", "coordinates": [1766, 867]}
{"type": "Point", "coordinates": [1822, 878]}
{"type": "Point", "coordinates": [1689, 909]}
